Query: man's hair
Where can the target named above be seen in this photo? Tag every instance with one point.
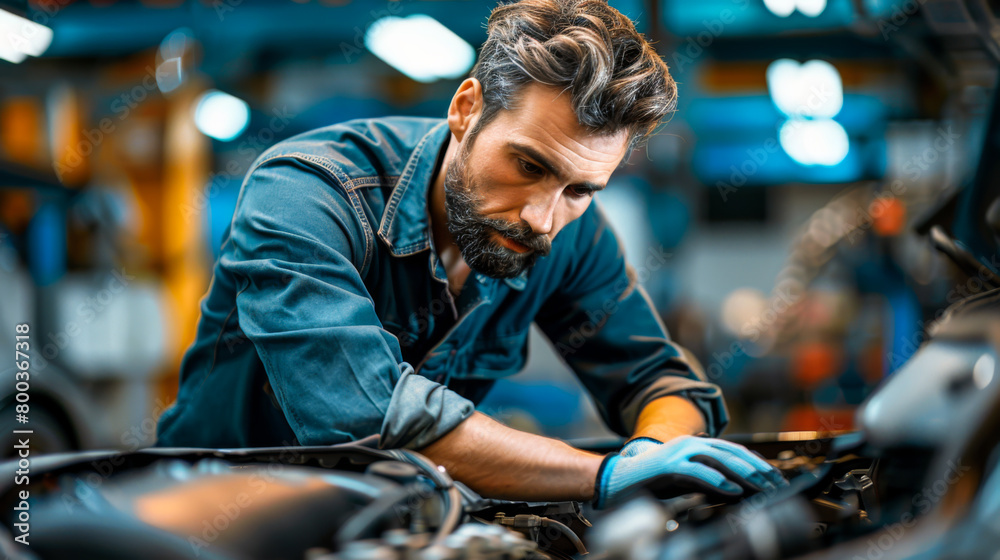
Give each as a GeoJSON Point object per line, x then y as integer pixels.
{"type": "Point", "coordinates": [616, 78]}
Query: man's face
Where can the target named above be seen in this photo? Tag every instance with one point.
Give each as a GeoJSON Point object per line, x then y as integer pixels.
{"type": "Point", "coordinates": [527, 174]}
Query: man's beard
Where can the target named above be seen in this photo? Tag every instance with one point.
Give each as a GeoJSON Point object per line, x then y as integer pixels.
{"type": "Point", "coordinates": [473, 232]}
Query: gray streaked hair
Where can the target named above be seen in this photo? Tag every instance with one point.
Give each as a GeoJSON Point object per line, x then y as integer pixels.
{"type": "Point", "coordinates": [616, 78]}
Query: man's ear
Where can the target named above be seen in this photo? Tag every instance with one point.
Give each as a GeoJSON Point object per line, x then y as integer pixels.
{"type": "Point", "coordinates": [466, 107]}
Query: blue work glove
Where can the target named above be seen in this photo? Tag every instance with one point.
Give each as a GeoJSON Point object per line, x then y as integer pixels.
{"type": "Point", "coordinates": [720, 469]}
{"type": "Point", "coordinates": [642, 444]}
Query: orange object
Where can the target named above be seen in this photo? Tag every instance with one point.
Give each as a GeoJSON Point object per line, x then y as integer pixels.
{"type": "Point", "coordinates": [21, 130]}
{"type": "Point", "coordinates": [808, 417]}
{"type": "Point", "coordinates": [16, 209]}
{"type": "Point", "coordinates": [729, 78]}
{"type": "Point", "coordinates": [72, 143]}
{"type": "Point", "coordinates": [185, 274]}
{"type": "Point", "coordinates": [888, 216]}
{"type": "Point", "coordinates": [813, 362]}
{"type": "Point", "coordinates": [871, 364]}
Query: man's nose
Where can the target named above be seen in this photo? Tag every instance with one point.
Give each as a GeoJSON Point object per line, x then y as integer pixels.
{"type": "Point", "coordinates": [540, 212]}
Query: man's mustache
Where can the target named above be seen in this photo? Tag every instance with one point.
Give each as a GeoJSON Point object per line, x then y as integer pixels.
{"type": "Point", "coordinates": [521, 233]}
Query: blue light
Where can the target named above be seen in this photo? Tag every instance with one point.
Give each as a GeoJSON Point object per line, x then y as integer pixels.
{"type": "Point", "coordinates": [811, 89]}
{"type": "Point", "coordinates": [814, 142]}
{"type": "Point", "coordinates": [221, 116]}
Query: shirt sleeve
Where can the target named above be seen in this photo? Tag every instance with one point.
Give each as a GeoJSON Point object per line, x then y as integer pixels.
{"type": "Point", "coordinates": [298, 249]}
{"type": "Point", "coordinates": [602, 323]}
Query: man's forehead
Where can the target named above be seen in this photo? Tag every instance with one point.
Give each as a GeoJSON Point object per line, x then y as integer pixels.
{"type": "Point", "coordinates": [543, 121]}
{"type": "Point", "coordinates": [545, 114]}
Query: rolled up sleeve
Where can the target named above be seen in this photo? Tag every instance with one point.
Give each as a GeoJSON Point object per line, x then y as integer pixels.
{"type": "Point", "coordinates": [603, 325]}
{"type": "Point", "coordinates": [336, 373]}
{"type": "Point", "coordinates": [421, 411]}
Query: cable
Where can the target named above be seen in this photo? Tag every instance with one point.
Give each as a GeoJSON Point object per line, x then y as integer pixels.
{"type": "Point", "coordinates": [546, 522]}
{"type": "Point", "coordinates": [452, 497]}
{"type": "Point", "coordinates": [365, 519]}
{"type": "Point", "coordinates": [529, 521]}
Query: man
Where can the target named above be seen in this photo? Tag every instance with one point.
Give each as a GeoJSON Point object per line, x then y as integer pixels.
{"type": "Point", "coordinates": [380, 275]}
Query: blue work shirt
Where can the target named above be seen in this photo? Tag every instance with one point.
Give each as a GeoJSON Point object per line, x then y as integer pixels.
{"type": "Point", "coordinates": [329, 317]}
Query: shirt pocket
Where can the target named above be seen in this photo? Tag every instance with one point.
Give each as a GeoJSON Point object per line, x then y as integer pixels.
{"type": "Point", "coordinates": [498, 356]}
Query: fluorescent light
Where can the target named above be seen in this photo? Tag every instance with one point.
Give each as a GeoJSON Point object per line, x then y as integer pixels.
{"type": "Point", "coordinates": [420, 47]}
{"type": "Point", "coordinates": [169, 74]}
{"type": "Point", "coordinates": [780, 8]}
{"type": "Point", "coordinates": [784, 8]}
{"type": "Point", "coordinates": [221, 115]}
{"type": "Point", "coordinates": [811, 8]}
{"type": "Point", "coordinates": [813, 89]}
{"type": "Point", "coordinates": [20, 37]}
{"type": "Point", "coordinates": [8, 53]}
{"type": "Point", "coordinates": [176, 43]}
{"type": "Point", "coordinates": [173, 48]}
{"type": "Point", "coordinates": [783, 84]}
{"type": "Point", "coordinates": [819, 142]}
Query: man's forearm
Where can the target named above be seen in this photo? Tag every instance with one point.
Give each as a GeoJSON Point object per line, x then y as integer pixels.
{"type": "Point", "coordinates": [500, 462]}
{"type": "Point", "coordinates": [668, 417]}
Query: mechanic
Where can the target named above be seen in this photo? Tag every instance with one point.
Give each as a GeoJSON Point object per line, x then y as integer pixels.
{"type": "Point", "coordinates": [379, 275]}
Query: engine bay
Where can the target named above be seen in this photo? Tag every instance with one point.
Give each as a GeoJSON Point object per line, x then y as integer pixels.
{"type": "Point", "coordinates": [919, 480]}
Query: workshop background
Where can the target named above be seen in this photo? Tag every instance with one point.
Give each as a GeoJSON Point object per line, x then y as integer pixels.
{"type": "Point", "coordinates": [770, 220]}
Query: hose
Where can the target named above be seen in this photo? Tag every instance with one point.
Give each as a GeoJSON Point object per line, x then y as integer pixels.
{"type": "Point", "coordinates": [546, 522]}
{"type": "Point", "coordinates": [452, 497]}
{"type": "Point", "coordinates": [365, 519]}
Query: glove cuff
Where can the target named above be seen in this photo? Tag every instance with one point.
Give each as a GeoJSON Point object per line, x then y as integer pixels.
{"type": "Point", "coordinates": [638, 446]}
{"type": "Point", "coordinates": [601, 482]}
{"type": "Point", "coordinates": [643, 438]}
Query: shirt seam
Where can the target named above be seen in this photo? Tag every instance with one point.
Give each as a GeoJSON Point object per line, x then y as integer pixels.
{"type": "Point", "coordinates": [349, 187]}
{"type": "Point", "coordinates": [218, 339]}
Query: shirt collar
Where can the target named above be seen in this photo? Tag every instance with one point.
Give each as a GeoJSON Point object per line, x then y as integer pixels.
{"type": "Point", "coordinates": [405, 226]}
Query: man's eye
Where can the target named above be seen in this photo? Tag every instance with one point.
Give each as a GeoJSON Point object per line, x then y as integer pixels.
{"type": "Point", "coordinates": [529, 168]}
{"type": "Point", "coordinates": [580, 192]}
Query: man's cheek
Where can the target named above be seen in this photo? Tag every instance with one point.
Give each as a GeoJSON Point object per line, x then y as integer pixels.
{"type": "Point", "coordinates": [500, 203]}
{"type": "Point", "coordinates": [568, 213]}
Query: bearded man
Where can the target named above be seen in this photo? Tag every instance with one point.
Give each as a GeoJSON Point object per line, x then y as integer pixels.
{"type": "Point", "coordinates": [379, 275]}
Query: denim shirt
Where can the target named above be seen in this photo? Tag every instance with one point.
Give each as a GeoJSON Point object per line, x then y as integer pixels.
{"type": "Point", "coordinates": [329, 317]}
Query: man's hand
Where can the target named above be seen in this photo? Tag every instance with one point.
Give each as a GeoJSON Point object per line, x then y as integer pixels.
{"type": "Point", "coordinates": [715, 467]}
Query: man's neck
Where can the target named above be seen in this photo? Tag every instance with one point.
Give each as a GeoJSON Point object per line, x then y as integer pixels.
{"type": "Point", "coordinates": [449, 253]}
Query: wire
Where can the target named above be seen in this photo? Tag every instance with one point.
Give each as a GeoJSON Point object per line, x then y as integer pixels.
{"type": "Point", "coordinates": [452, 497]}
{"type": "Point", "coordinates": [531, 521]}
{"type": "Point", "coordinates": [547, 522]}
{"type": "Point", "coordinates": [366, 518]}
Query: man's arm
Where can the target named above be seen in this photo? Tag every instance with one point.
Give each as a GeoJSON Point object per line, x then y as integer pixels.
{"type": "Point", "coordinates": [665, 418]}
{"type": "Point", "coordinates": [501, 462]}
{"type": "Point", "coordinates": [603, 325]}
{"type": "Point", "coordinates": [297, 248]}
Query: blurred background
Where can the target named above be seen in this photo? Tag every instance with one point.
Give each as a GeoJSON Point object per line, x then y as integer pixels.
{"type": "Point", "coordinates": [771, 221]}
